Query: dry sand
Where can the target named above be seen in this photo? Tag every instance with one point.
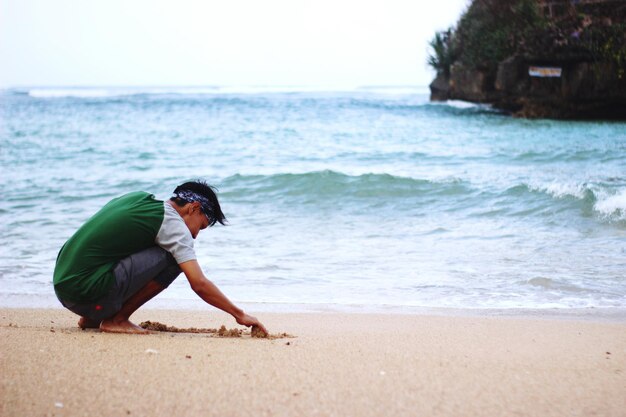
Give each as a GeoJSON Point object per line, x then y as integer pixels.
{"type": "Point", "coordinates": [338, 364]}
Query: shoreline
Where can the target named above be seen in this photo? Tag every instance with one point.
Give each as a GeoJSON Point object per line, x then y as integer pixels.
{"type": "Point", "coordinates": [600, 314]}
{"type": "Point", "coordinates": [361, 364]}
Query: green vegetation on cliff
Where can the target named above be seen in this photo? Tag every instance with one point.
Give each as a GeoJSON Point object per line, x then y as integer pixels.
{"type": "Point", "coordinates": [489, 31]}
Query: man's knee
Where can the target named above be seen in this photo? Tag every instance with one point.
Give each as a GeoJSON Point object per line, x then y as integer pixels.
{"type": "Point", "coordinates": [96, 311]}
{"type": "Point", "coordinates": [135, 271]}
{"type": "Point", "coordinates": [168, 275]}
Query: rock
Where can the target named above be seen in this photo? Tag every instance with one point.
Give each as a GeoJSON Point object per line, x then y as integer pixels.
{"type": "Point", "coordinates": [439, 88]}
{"type": "Point", "coordinates": [591, 81]}
{"type": "Point", "coordinates": [585, 90]}
{"type": "Point", "coordinates": [512, 74]}
{"type": "Point", "coordinates": [470, 84]}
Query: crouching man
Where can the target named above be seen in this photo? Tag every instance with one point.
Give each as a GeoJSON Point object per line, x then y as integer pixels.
{"type": "Point", "coordinates": [131, 250]}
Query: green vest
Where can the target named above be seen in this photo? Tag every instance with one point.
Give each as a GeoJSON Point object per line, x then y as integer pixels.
{"type": "Point", "coordinates": [126, 225]}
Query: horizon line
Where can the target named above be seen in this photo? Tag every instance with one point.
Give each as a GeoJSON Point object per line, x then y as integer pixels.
{"type": "Point", "coordinates": [210, 86]}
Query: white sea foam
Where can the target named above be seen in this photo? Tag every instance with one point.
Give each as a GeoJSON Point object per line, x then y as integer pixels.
{"type": "Point", "coordinates": [608, 203]}
{"type": "Point", "coordinates": [559, 189]}
{"type": "Point", "coordinates": [459, 104]}
{"type": "Point", "coordinates": [613, 205]}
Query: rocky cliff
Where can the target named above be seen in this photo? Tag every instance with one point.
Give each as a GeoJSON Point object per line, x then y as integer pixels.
{"type": "Point", "coordinates": [585, 90]}
{"type": "Point", "coordinates": [587, 63]}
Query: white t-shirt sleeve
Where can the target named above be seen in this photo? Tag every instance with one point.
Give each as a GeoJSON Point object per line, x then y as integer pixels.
{"type": "Point", "coordinates": [174, 236]}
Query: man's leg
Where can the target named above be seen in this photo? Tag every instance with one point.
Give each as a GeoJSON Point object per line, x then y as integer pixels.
{"type": "Point", "coordinates": [87, 323]}
{"type": "Point", "coordinates": [138, 278]}
{"type": "Point", "coordinates": [120, 322]}
{"type": "Point", "coordinates": [83, 310]}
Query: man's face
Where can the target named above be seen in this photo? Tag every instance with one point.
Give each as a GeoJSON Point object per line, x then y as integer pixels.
{"type": "Point", "coordinates": [195, 219]}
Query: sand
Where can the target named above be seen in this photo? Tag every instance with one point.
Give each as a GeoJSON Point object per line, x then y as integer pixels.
{"type": "Point", "coordinates": [256, 331]}
{"type": "Point", "coordinates": [336, 364]}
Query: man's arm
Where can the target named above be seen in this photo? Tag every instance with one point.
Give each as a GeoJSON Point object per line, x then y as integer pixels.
{"type": "Point", "coordinates": [212, 295]}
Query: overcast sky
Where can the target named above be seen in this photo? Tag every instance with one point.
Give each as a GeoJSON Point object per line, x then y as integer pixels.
{"type": "Point", "coordinates": [317, 43]}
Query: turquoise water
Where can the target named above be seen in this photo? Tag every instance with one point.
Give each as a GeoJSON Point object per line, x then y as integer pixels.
{"type": "Point", "coordinates": [370, 197]}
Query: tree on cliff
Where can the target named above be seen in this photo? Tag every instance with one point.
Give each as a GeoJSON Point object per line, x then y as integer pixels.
{"type": "Point", "coordinates": [488, 32]}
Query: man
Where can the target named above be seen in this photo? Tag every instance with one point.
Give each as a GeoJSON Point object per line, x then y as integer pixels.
{"type": "Point", "coordinates": [131, 250]}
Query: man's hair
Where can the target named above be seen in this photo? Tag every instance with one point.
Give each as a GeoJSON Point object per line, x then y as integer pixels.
{"type": "Point", "coordinates": [210, 207]}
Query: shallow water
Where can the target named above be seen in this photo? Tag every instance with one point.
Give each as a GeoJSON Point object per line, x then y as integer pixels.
{"type": "Point", "coordinates": [369, 197]}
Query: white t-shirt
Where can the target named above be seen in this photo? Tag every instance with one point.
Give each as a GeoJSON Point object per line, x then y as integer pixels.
{"type": "Point", "coordinates": [174, 236]}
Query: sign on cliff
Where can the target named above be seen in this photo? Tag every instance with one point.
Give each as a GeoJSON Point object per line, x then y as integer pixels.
{"type": "Point", "coordinates": [544, 72]}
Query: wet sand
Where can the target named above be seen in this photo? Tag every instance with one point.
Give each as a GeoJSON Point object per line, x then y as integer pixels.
{"type": "Point", "coordinates": [337, 364]}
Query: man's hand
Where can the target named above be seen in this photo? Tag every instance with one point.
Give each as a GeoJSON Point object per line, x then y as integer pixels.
{"type": "Point", "coordinates": [212, 295]}
{"type": "Point", "coordinates": [247, 320]}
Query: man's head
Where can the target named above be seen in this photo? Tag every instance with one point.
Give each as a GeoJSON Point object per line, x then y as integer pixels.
{"type": "Point", "coordinates": [197, 204]}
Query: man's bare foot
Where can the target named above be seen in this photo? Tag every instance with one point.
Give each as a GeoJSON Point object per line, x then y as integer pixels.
{"type": "Point", "coordinates": [85, 323]}
{"type": "Point", "coordinates": [122, 326]}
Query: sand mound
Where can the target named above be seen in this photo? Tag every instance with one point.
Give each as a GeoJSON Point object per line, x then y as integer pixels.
{"type": "Point", "coordinates": [256, 331]}
{"type": "Point", "coordinates": [160, 327]}
{"type": "Point", "coordinates": [224, 332]}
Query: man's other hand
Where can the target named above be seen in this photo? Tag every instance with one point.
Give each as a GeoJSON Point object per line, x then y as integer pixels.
{"type": "Point", "coordinates": [247, 320]}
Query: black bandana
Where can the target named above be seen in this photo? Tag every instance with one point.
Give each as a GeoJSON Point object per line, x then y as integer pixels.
{"type": "Point", "coordinates": [190, 197]}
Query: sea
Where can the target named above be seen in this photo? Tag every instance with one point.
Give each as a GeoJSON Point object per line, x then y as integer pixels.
{"type": "Point", "coordinates": [361, 199]}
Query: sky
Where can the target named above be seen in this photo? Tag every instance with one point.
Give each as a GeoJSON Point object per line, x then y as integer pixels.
{"type": "Point", "coordinates": [316, 43]}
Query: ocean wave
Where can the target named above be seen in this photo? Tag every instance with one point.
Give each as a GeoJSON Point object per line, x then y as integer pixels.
{"type": "Point", "coordinates": [332, 183]}
{"type": "Point", "coordinates": [461, 108]}
{"type": "Point", "coordinates": [459, 104]}
{"type": "Point", "coordinates": [316, 187]}
{"type": "Point", "coordinates": [551, 156]}
{"type": "Point", "coordinates": [554, 285]}
{"type": "Point", "coordinates": [562, 190]}
{"type": "Point", "coordinates": [608, 202]}
{"type": "Point", "coordinates": [613, 205]}
{"type": "Point", "coordinates": [419, 103]}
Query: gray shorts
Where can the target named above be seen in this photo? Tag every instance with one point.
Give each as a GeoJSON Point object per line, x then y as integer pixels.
{"type": "Point", "coordinates": [131, 274]}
